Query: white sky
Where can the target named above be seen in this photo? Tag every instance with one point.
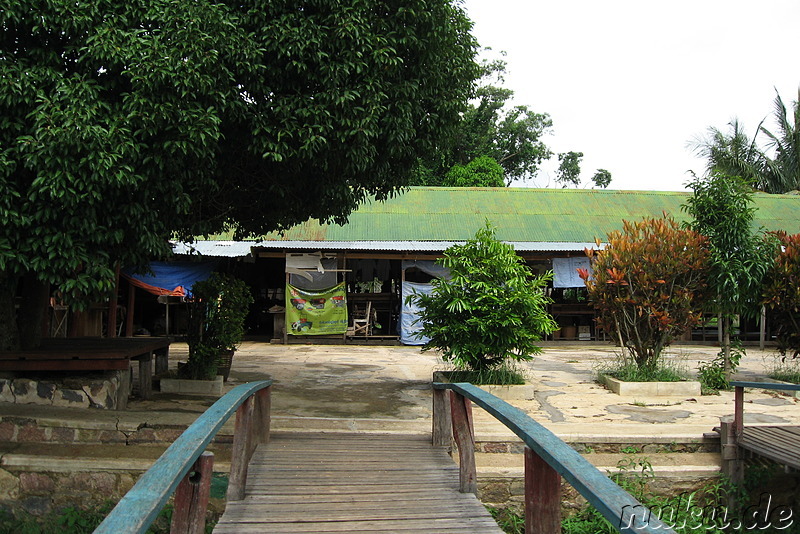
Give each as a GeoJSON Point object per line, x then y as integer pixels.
{"type": "Point", "coordinates": [629, 82]}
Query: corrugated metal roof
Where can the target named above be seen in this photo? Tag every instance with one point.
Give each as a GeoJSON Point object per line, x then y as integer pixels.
{"type": "Point", "coordinates": [534, 219]}
{"type": "Point", "coordinates": [235, 249]}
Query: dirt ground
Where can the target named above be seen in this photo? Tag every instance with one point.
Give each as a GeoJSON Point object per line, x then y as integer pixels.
{"type": "Point", "coordinates": [388, 387]}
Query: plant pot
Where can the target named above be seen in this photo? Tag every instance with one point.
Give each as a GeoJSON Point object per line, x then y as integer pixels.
{"type": "Point", "coordinates": [569, 332]}
{"type": "Point", "coordinates": [224, 363]}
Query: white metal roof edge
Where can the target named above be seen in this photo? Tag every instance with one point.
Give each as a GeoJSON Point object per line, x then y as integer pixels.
{"type": "Point", "coordinates": [243, 248]}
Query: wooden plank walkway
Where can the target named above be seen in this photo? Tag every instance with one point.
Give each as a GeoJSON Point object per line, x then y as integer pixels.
{"type": "Point", "coordinates": [354, 483]}
{"type": "Point", "coordinates": [778, 443]}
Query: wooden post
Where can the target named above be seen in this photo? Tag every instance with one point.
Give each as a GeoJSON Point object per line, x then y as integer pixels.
{"type": "Point", "coordinates": [762, 328]}
{"type": "Point", "coordinates": [738, 411]}
{"type": "Point", "coordinates": [442, 431]}
{"type": "Point", "coordinates": [111, 327]}
{"type": "Point", "coordinates": [542, 496]}
{"type": "Point", "coordinates": [129, 311]}
{"type": "Point", "coordinates": [285, 322]}
{"type": "Point", "coordinates": [146, 375]}
{"type": "Point", "coordinates": [465, 439]}
{"type": "Point", "coordinates": [162, 361]}
{"type": "Point", "coordinates": [262, 415]}
{"type": "Point", "coordinates": [191, 497]}
{"type": "Point", "coordinates": [240, 451]}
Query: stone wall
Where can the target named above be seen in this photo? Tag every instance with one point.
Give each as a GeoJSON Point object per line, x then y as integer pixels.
{"type": "Point", "coordinates": [46, 492]}
{"type": "Point", "coordinates": [93, 390]}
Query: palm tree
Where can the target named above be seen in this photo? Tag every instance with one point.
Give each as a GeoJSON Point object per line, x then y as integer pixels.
{"type": "Point", "coordinates": [782, 172]}
{"type": "Point", "coordinates": [731, 154]}
{"type": "Point", "coordinates": [773, 169]}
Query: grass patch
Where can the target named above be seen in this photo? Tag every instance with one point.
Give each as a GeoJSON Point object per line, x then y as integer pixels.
{"type": "Point", "coordinates": [630, 372]}
{"type": "Point", "coordinates": [508, 519]}
{"type": "Point", "coordinates": [74, 520]}
{"type": "Point", "coordinates": [625, 369]}
{"type": "Point", "coordinates": [785, 371]}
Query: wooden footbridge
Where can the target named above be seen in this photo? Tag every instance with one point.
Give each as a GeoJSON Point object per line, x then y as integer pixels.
{"type": "Point", "coordinates": [314, 482]}
{"type": "Point", "coordinates": [354, 483]}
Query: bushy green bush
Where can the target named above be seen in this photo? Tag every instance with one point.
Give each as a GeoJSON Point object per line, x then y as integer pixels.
{"type": "Point", "coordinates": [492, 309]}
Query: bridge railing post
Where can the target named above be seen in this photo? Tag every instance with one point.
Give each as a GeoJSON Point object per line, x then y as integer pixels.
{"type": "Point", "coordinates": [442, 432]}
{"type": "Point", "coordinates": [542, 496]}
{"type": "Point", "coordinates": [262, 415]}
{"type": "Point", "coordinates": [463, 431]}
{"type": "Point", "coordinates": [251, 428]}
{"type": "Point", "coordinates": [191, 497]}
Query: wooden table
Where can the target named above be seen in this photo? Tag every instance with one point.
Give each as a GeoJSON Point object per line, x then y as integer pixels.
{"type": "Point", "coordinates": [94, 354]}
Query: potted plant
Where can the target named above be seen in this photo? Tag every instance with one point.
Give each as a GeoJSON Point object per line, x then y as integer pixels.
{"type": "Point", "coordinates": [216, 325]}
{"type": "Point", "coordinates": [217, 313]}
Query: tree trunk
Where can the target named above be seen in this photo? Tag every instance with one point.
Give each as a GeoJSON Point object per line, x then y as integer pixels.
{"type": "Point", "coordinates": [32, 311]}
{"type": "Point", "coordinates": [9, 337]}
{"type": "Point", "coordinates": [726, 345]}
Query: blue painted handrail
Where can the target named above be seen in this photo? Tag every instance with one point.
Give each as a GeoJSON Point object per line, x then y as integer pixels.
{"type": "Point", "coordinates": [619, 507]}
{"type": "Point", "coordinates": [766, 385]}
{"type": "Point", "coordinates": [137, 510]}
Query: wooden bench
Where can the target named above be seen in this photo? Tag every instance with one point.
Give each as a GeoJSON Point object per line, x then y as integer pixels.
{"type": "Point", "coordinates": [779, 443]}
{"type": "Point", "coordinates": [95, 354]}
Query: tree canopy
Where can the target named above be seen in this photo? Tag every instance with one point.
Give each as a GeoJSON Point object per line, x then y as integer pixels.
{"type": "Point", "coordinates": [512, 135]}
{"type": "Point", "coordinates": [491, 127]}
{"type": "Point", "coordinates": [480, 172]}
{"type": "Point", "coordinates": [125, 123]}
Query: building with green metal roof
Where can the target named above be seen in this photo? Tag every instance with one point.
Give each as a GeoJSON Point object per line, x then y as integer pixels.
{"type": "Point", "coordinates": [429, 219]}
{"type": "Point", "coordinates": [377, 251]}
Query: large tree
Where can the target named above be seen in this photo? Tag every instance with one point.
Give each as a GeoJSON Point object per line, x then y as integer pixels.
{"type": "Point", "coordinates": [491, 127]}
{"type": "Point", "coordinates": [125, 123]}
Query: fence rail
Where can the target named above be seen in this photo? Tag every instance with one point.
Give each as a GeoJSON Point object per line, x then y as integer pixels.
{"type": "Point", "coordinates": [185, 468]}
{"type": "Point", "coordinates": [547, 459]}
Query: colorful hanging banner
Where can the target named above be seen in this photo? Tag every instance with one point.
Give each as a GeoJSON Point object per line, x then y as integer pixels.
{"type": "Point", "coordinates": [311, 312]}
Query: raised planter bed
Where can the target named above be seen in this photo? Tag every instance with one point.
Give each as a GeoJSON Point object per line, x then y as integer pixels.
{"type": "Point", "coordinates": [507, 393]}
{"type": "Point", "coordinates": [183, 386]}
{"type": "Point", "coordinates": [652, 389]}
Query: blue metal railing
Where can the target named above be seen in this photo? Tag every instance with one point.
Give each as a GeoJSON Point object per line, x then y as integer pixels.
{"type": "Point", "coordinates": [619, 507]}
{"type": "Point", "coordinates": [137, 510]}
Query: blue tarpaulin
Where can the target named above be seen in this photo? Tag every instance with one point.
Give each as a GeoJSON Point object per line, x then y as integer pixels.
{"type": "Point", "coordinates": [174, 278]}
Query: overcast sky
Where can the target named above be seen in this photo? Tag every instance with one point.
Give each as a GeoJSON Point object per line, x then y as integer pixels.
{"type": "Point", "coordinates": [630, 83]}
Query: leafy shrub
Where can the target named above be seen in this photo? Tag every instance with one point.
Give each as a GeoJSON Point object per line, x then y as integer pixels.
{"type": "Point", "coordinates": [490, 311]}
{"type": "Point", "coordinates": [782, 294]}
{"type": "Point", "coordinates": [712, 374]}
{"type": "Point", "coordinates": [648, 285]}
